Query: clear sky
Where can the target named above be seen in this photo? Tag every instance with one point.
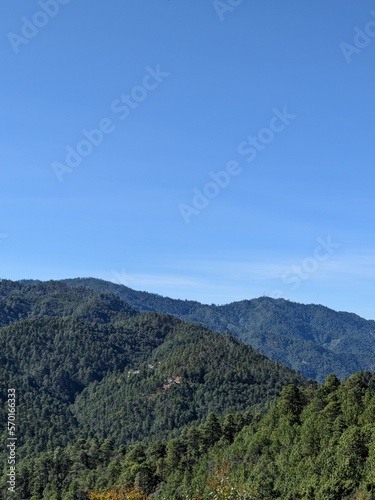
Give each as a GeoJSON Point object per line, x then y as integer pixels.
{"type": "Point", "coordinates": [200, 149]}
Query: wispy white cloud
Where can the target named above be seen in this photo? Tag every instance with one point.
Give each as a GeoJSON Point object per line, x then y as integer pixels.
{"type": "Point", "coordinates": [147, 281]}
{"type": "Point", "coordinates": [207, 273]}
{"type": "Point", "coordinates": [354, 265]}
{"type": "Point", "coordinates": [223, 281]}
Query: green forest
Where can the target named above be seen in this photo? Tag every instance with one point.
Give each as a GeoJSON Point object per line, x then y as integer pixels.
{"type": "Point", "coordinates": [116, 401]}
{"type": "Point", "coordinates": [312, 339]}
{"type": "Point", "coordinates": [313, 443]}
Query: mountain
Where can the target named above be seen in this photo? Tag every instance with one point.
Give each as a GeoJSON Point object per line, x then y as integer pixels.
{"type": "Point", "coordinates": [191, 373]}
{"type": "Point", "coordinates": [312, 339]}
{"type": "Point", "coordinates": [85, 363]}
{"type": "Point", "coordinates": [117, 403]}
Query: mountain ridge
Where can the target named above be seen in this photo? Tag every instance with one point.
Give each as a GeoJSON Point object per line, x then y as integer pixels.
{"type": "Point", "coordinates": [108, 395]}
{"type": "Point", "coordinates": [61, 347]}
{"type": "Point", "coordinates": [310, 338]}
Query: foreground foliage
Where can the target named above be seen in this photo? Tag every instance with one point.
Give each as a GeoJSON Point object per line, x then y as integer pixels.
{"type": "Point", "coordinates": [314, 443]}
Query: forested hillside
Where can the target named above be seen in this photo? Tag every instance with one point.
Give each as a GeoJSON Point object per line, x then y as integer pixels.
{"type": "Point", "coordinates": [20, 301]}
{"type": "Point", "coordinates": [312, 339]}
{"type": "Point", "coordinates": [86, 365]}
{"type": "Point", "coordinates": [314, 443]}
{"type": "Point", "coordinates": [113, 403]}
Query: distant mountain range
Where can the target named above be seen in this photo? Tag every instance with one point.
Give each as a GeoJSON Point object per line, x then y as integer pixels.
{"type": "Point", "coordinates": [312, 339]}
{"type": "Point", "coordinates": [114, 386]}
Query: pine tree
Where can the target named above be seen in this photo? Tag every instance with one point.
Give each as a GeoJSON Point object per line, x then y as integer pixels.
{"type": "Point", "coordinates": [229, 427]}
{"type": "Point", "coordinates": [211, 431]}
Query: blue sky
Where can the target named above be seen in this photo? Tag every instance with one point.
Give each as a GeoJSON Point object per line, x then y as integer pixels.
{"type": "Point", "coordinates": [223, 150]}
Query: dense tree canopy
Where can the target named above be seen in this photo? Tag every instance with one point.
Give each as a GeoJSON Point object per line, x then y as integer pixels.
{"type": "Point", "coordinates": [117, 404]}
{"type": "Point", "coordinates": [313, 443]}
{"type": "Point", "coordinates": [312, 339]}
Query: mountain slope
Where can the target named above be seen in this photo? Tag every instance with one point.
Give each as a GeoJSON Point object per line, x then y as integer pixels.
{"type": "Point", "coordinates": [54, 299]}
{"type": "Point", "coordinates": [192, 373]}
{"type": "Point", "coordinates": [312, 339]}
{"type": "Point", "coordinates": [80, 361]}
{"type": "Point", "coordinates": [50, 361]}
